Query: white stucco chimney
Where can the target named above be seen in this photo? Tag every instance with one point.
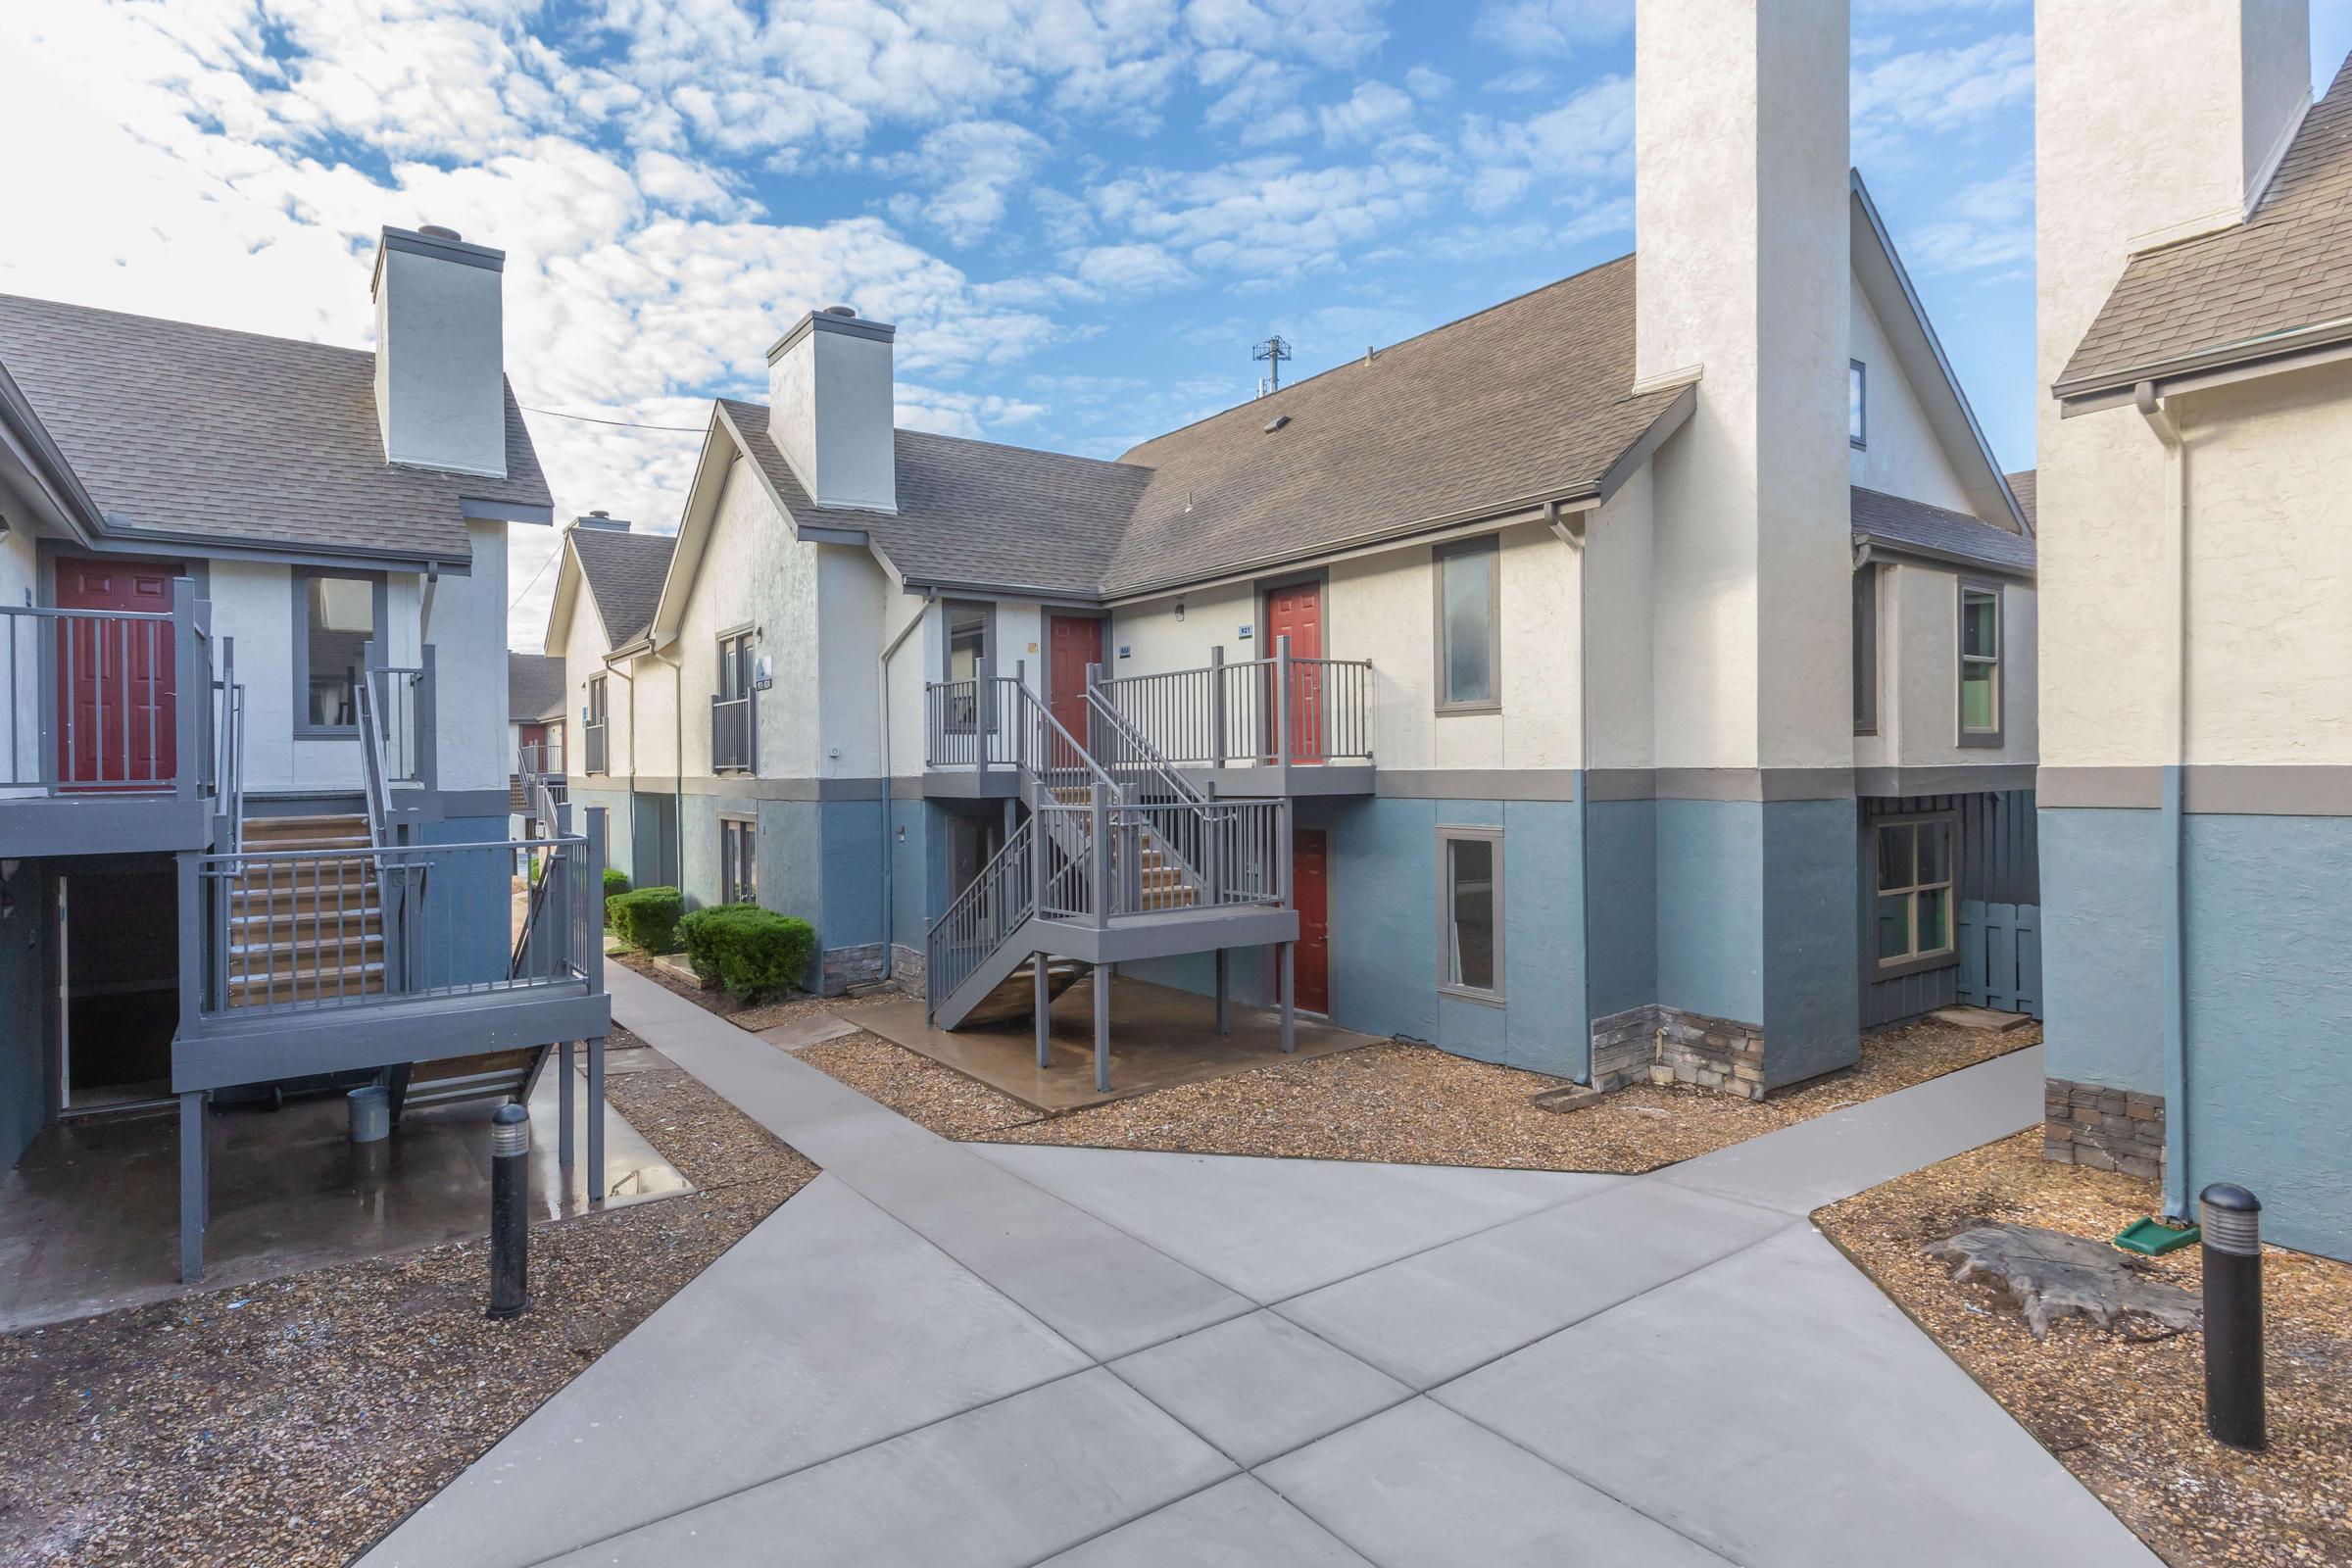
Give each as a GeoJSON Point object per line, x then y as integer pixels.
{"type": "Point", "coordinates": [440, 351]}
{"type": "Point", "coordinates": [1740, 200]}
{"type": "Point", "coordinates": [829, 402]}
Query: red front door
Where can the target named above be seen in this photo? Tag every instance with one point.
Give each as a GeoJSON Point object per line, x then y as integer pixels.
{"type": "Point", "coordinates": [1072, 642]}
{"type": "Point", "coordinates": [116, 715]}
{"type": "Point", "coordinates": [1311, 891]}
{"type": "Point", "coordinates": [1296, 613]}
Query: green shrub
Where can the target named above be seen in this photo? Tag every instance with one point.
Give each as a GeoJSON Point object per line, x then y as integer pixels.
{"type": "Point", "coordinates": [647, 918]}
{"type": "Point", "coordinates": [750, 951]}
{"type": "Point", "coordinates": [616, 884]}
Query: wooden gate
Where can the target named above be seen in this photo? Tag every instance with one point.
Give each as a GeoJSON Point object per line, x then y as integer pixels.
{"type": "Point", "coordinates": [2000, 956]}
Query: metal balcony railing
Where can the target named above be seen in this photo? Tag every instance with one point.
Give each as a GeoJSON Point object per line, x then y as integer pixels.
{"type": "Point", "coordinates": [104, 701]}
{"type": "Point", "coordinates": [1265, 711]}
{"type": "Point", "coordinates": [734, 734]}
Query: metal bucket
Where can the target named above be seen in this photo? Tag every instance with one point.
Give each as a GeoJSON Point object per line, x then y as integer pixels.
{"type": "Point", "coordinates": [370, 1115]}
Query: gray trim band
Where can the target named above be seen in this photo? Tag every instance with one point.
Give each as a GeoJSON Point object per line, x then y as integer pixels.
{"type": "Point", "coordinates": [2212, 789]}
{"type": "Point", "coordinates": [1756, 783]}
{"type": "Point", "coordinates": [745, 787]}
{"type": "Point", "coordinates": [2134, 788]}
{"type": "Point", "coordinates": [479, 509]}
{"type": "Point", "coordinates": [1475, 783]}
{"type": "Point", "coordinates": [1956, 779]}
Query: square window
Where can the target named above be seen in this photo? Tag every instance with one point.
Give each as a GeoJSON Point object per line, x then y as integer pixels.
{"type": "Point", "coordinates": [1911, 919]}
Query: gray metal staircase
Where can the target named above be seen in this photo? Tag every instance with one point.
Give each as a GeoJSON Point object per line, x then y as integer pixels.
{"type": "Point", "coordinates": [1105, 867]}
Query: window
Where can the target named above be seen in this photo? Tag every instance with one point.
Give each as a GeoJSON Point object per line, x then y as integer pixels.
{"type": "Point", "coordinates": [337, 616]}
{"type": "Point", "coordinates": [738, 861]}
{"type": "Point", "coordinates": [1913, 919]}
{"type": "Point", "coordinates": [735, 666]}
{"type": "Point", "coordinates": [1866, 650]}
{"type": "Point", "coordinates": [1470, 920]}
{"type": "Point", "coordinates": [1858, 404]}
{"type": "Point", "coordinates": [967, 662]}
{"type": "Point", "coordinates": [733, 737]}
{"type": "Point", "coordinates": [1979, 665]}
{"type": "Point", "coordinates": [594, 727]}
{"type": "Point", "coordinates": [1469, 634]}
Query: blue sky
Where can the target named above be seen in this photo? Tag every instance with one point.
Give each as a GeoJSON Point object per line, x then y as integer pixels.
{"type": "Point", "coordinates": [1080, 213]}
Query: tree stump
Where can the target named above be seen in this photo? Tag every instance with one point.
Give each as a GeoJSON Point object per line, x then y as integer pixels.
{"type": "Point", "coordinates": [2049, 1275]}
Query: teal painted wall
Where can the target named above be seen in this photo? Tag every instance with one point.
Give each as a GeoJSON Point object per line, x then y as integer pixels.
{"type": "Point", "coordinates": [468, 904]}
{"type": "Point", "coordinates": [616, 821]}
{"type": "Point", "coordinates": [1812, 935]}
{"type": "Point", "coordinates": [1710, 931]}
{"type": "Point", "coordinates": [851, 832]}
{"type": "Point", "coordinates": [1622, 848]}
{"type": "Point", "coordinates": [2103, 899]}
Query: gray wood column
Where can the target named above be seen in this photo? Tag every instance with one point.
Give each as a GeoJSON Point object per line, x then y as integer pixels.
{"type": "Point", "coordinates": [1102, 1022]}
{"type": "Point", "coordinates": [563, 1094]}
{"type": "Point", "coordinates": [1223, 991]}
{"type": "Point", "coordinates": [596, 1122]}
{"type": "Point", "coordinates": [195, 1176]}
{"type": "Point", "coordinates": [1289, 1031]}
{"type": "Point", "coordinates": [1040, 998]}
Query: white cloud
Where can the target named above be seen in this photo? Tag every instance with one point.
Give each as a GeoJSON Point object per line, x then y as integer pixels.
{"type": "Point", "coordinates": [1563, 149]}
{"type": "Point", "coordinates": [1428, 85]}
{"type": "Point", "coordinates": [1374, 109]}
{"type": "Point", "coordinates": [1271, 216]}
{"type": "Point", "coordinates": [1940, 92]}
{"type": "Point", "coordinates": [1131, 269]}
{"type": "Point", "coordinates": [1553, 28]}
{"type": "Point", "coordinates": [972, 167]}
{"type": "Point", "coordinates": [1986, 226]}
{"type": "Point", "coordinates": [1516, 83]}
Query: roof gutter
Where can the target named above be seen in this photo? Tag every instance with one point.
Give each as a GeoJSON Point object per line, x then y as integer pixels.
{"type": "Point", "coordinates": [2088, 394]}
{"type": "Point", "coordinates": [1891, 548]}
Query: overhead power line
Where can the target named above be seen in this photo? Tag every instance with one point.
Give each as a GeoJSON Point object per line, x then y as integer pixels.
{"type": "Point", "coordinates": [624, 425]}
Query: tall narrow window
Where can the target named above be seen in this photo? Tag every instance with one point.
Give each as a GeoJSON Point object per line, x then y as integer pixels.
{"type": "Point", "coordinates": [1866, 650]}
{"type": "Point", "coordinates": [1913, 918]}
{"type": "Point", "coordinates": [1979, 666]}
{"type": "Point", "coordinates": [339, 616]}
{"type": "Point", "coordinates": [1858, 404]}
{"type": "Point", "coordinates": [1470, 920]}
{"type": "Point", "coordinates": [966, 666]}
{"type": "Point", "coordinates": [594, 727]}
{"type": "Point", "coordinates": [731, 729]}
{"type": "Point", "coordinates": [1469, 632]}
{"type": "Point", "coordinates": [738, 861]}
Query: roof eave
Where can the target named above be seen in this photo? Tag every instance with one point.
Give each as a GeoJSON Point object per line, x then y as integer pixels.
{"type": "Point", "coordinates": [2270, 354]}
{"type": "Point", "coordinates": [1887, 547]}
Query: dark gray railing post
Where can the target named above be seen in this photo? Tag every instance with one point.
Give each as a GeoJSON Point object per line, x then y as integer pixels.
{"type": "Point", "coordinates": [1099, 852]}
{"type": "Point", "coordinates": [1282, 709]}
{"type": "Point", "coordinates": [1092, 740]}
{"type": "Point", "coordinates": [592, 954]}
{"type": "Point", "coordinates": [1020, 730]}
{"type": "Point", "coordinates": [425, 714]}
{"type": "Point", "coordinates": [1217, 706]}
{"type": "Point", "coordinates": [191, 683]}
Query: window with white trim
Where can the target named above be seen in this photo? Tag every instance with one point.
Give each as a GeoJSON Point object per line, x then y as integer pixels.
{"type": "Point", "coordinates": [1470, 917]}
{"type": "Point", "coordinates": [738, 861]}
{"type": "Point", "coordinates": [1912, 918]}
{"type": "Point", "coordinates": [1979, 665]}
{"type": "Point", "coordinates": [1858, 404]}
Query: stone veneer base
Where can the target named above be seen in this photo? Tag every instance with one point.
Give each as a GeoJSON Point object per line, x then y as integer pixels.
{"type": "Point", "coordinates": [845, 968]}
{"type": "Point", "coordinates": [2104, 1128]}
{"type": "Point", "coordinates": [1661, 1045]}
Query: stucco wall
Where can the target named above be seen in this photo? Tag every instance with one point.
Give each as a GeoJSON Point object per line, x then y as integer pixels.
{"type": "Point", "coordinates": [752, 573]}
{"type": "Point", "coordinates": [1900, 455]}
{"type": "Point", "coordinates": [468, 634]}
{"type": "Point", "coordinates": [1919, 673]}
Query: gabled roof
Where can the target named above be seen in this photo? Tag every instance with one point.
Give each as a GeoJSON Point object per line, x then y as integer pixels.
{"type": "Point", "coordinates": [971, 512]}
{"type": "Point", "coordinates": [2280, 282]}
{"type": "Point", "coordinates": [2025, 485]}
{"type": "Point", "coordinates": [1917, 528]}
{"type": "Point", "coordinates": [534, 688]}
{"type": "Point", "coordinates": [1523, 402]}
{"type": "Point", "coordinates": [623, 572]}
{"type": "Point", "coordinates": [201, 435]}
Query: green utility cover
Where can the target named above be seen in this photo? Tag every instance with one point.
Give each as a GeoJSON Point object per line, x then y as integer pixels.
{"type": "Point", "coordinates": [2153, 1238]}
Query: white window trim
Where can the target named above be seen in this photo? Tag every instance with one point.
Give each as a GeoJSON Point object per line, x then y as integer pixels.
{"type": "Point", "coordinates": [1447, 984]}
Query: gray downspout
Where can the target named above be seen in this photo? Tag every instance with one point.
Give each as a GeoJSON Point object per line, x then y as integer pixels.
{"type": "Point", "coordinates": [1575, 538]}
{"type": "Point", "coordinates": [890, 929]}
{"type": "Point", "coordinates": [630, 681]}
{"type": "Point", "coordinates": [677, 754]}
{"type": "Point", "coordinates": [2176, 753]}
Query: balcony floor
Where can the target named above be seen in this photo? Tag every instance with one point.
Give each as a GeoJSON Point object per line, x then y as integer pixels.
{"type": "Point", "coordinates": [90, 1218]}
{"type": "Point", "coordinates": [1160, 1037]}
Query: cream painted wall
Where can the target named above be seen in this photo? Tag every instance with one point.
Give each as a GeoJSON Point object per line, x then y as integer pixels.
{"type": "Point", "coordinates": [468, 634]}
{"type": "Point", "coordinates": [752, 574]}
{"type": "Point", "coordinates": [584, 648]}
{"type": "Point", "coordinates": [1901, 457]}
{"type": "Point", "coordinates": [20, 584]}
{"type": "Point", "coordinates": [1621, 640]}
{"type": "Point", "coordinates": [1918, 674]}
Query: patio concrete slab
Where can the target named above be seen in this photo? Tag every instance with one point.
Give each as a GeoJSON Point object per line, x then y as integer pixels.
{"type": "Point", "coordinates": [1258, 1386]}
{"type": "Point", "coordinates": [799, 1034]}
{"type": "Point", "coordinates": [999, 1487]}
{"type": "Point", "coordinates": [1780, 1409]}
{"type": "Point", "coordinates": [1419, 1486]}
{"type": "Point", "coordinates": [1273, 1228]}
{"type": "Point", "coordinates": [1799, 1168]}
{"type": "Point", "coordinates": [1104, 1291]}
{"type": "Point", "coordinates": [829, 1328]}
{"type": "Point", "coordinates": [1234, 1524]}
{"type": "Point", "coordinates": [1437, 1315]}
{"type": "Point", "coordinates": [1160, 1037]}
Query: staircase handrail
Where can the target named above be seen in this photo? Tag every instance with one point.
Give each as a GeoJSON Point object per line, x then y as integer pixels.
{"type": "Point", "coordinates": [963, 910]}
{"type": "Point", "coordinates": [1045, 727]}
{"type": "Point", "coordinates": [1155, 763]}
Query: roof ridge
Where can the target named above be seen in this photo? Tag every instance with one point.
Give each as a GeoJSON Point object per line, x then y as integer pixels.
{"type": "Point", "coordinates": [192, 326]}
{"type": "Point", "coordinates": [969, 440]}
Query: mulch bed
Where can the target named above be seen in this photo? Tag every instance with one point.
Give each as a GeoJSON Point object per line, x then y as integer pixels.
{"type": "Point", "coordinates": [2123, 1407]}
{"type": "Point", "coordinates": [295, 1421]}
{"type": "Point", "coordinates": [1416, 1104]}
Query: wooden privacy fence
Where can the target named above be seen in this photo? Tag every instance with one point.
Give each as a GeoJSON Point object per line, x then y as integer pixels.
{"type": "Point", "coordinates": [2000, 956]}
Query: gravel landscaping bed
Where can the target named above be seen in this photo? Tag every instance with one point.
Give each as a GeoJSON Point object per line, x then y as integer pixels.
{"type": "Point", "coordinates": [1416, 1104]}
{"type": "Point", "coordinates": [916, 1087]}
{"type": "Point", "coordinates": [294, 1422]}
{"type": "Point", "coordinates": [2123, 1407]}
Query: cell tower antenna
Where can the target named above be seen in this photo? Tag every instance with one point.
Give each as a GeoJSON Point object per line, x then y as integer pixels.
{"type": "Point", "coordinates": [1273, 351]}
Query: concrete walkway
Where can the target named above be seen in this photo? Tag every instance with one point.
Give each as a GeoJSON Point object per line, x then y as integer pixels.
{"type": "Point", "coordinates": [946, 1355]}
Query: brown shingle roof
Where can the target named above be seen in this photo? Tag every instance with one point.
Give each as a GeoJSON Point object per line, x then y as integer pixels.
{"type": "Point", "coordinates": [1520, 403]}
{"type": "Point", "coordinates": [215, 436]}
{"type": "Point", "coordinates": [623, 572]}
{"type": "Point", "coordinates": [2280, 279]}
{"type": "Point", "coordinates": [973, 511]}
{"type": "Point", "coordinates": [2025, 485]}
{"type": "Point", "coordinates": [1525, 401]}
{"type": "Point", "coordinates": [1956, 536]}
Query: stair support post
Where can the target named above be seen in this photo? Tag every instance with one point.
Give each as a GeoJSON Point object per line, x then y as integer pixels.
{"type": "Point", "coordinates": [596, 1122]}
{"type": "Point", "coordinates": [1217, 706]}
{"type": "Point", "coordinates": [1282, 712]}
{"type": "Point", "coordinates": [1222, 979]}
{"type": "Point", "coordinates": [1289, 1025]}
{"type": "Point", "coordinates": [1101, 1026]}
{"type": "Point", "coordinates": [1042, 999]}
{"type": "Point", "coordinates": [195, 1184]}
{"type": "Point", "coordinates": [563, 1094]}
{"type": "Point", "coordinates": [1099, 851]}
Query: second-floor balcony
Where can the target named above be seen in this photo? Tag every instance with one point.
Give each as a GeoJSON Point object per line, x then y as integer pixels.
{"type": "Point", "coordinates": [1281, 725]}
{"type": "Point", "coordinates": [109, 724]}
{"type": "Point", "coordinates": [734, 734]}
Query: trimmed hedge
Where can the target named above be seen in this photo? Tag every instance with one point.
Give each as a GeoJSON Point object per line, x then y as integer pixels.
{"type": "Point", "coordinates": [617, 883]}
{"type": "Point", "coordinates": [750, 951]}
{"type": "Point", "coordinates": [647, 918]}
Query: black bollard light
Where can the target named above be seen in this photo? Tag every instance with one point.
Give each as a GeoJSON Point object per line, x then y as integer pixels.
{"type": "Point", "coordinates": [510, 1210]}
{"type": "Point", "coordinates": [2231, 1224]}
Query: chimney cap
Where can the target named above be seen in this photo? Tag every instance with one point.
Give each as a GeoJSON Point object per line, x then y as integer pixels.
{"type": "Point", "coordinates": [438, 231]}
{"type": "Point", "coordinates": [850, 311]}
{"type": "Point", "coordinates": [601, 518]}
